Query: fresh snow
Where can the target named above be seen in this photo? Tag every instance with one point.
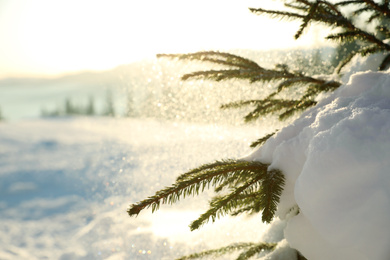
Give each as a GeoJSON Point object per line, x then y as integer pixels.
{"type": "Point", "coordinates": [335, 158]}
{"type": "Point", "coordinates": [66, 183]}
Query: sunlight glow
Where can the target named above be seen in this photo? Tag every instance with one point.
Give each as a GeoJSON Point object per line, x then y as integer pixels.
{"type": "Point", "coordinates": [173, 225]}
{"type": "Point", "coordinates": [50, 37]}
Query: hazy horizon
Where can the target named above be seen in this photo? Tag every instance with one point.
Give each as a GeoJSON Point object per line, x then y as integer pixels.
{"type": "Point", "coordinates": [46, 38]}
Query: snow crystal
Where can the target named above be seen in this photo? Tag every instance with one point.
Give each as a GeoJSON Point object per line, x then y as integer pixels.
{"type": "Point", "coordinates": [336, 158]}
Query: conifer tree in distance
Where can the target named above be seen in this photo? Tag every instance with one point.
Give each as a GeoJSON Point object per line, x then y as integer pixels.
{"type": "Point", "coordinates": [90, 109]}
{"type": "Point", "coordinates": [251, 186]}
{"type": "Point", "coordinates": [1, 115]}
{"type": "Point", "coordinates": [109, 109]}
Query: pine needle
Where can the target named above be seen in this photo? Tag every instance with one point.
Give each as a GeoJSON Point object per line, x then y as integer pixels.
{"type": "Point", "coordinates": [262, 140]}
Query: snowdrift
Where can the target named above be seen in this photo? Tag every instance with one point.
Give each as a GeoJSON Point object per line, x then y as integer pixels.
{"type": "Point", "coordinates": [336, 161]}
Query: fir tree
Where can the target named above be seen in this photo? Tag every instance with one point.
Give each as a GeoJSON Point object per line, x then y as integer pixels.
{"type": "Point", "coordinates": [90, 109]}
{"type": "Point", "coordinates": [69, 107]}
{"type": "Point", "coordinates": [1, 115]}
{"type": "Point", "coordinates": [109, 109]}
{"type": "Point", "coordinates": [252, 186]}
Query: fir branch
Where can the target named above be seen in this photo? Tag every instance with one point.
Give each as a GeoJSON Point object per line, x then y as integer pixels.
{"type": "Point", "coordinates": [332, 7]}
{"type": "Point", "coordinates": [256, 249]}
{"type": "Point", "coordinates": [385, 63]}
{"type": "Point", "coordinates": [248, 209]}
{"type": "Point", "coordinates": [253, 74]}
{"type": "Point", "coordinates": [328, 13]}
{"type": "Point", "coordinates": [304, 2]}
{"type": "Point", "coordinates": [223, 58]}
{"type": "Point", "coordinates": [364, 51]}
{"type": "Point", "coordinates": [310, 16]}
{"type": "Point", "coordinates": [383, 30]}
{"type": "Point", "coordinates": [277, 14]}
{"type": "Point", "coordinates": [284, 107]}
{"type": "Point", "coordinates": [229, 249]}
{"type": "Point", "coordinates": [362, 10]}
{"type": "Point", "coordinates": [348, 36]}
{"type": "Point", "coordinates": [195, 181]}
{"type": "Point", "coordinates": [297, 7]}
{"type": "Point", "coordinates": [221, 205]}
{"type": "Point", "coordinates": [219, 75]}
{"type": "Point", "coordinates": [289, 83]}
{"type": "Point", "coordinates": [368, 50]}
{"type": "Point", "coordinates": [262, 140]}
{"type": "Point", "coordinates": [354, 35]}
{"type": "Point", "coordinates": [272, 187]}
{"type": "Point", "coordinates": [298, 107]}
{"type": "Point", "coordinates": [248, 203]}
{"type": "Point", "coordinates": [315, 89]}
{"type": "Point", "coordinates": [256, 175]}
{"type": "Point", "coordinates": [346, 3]}
{"type": "Point", "coordinates": [346, 60]}
{"type": "Point", "coordinates": [270, 106]}
{"type": "Point", "coordinates": [261, 199]}
{"type": "Point", "coordinates": [241, 103]}
{"type": "Point", "coordinates": [373, 17]}
{"type": "Point", "coordinates": [224, 165]}
{"type": "Point", "coordinates": [232, 181]}
{"type": "Point", "coordinates": [382, 9]}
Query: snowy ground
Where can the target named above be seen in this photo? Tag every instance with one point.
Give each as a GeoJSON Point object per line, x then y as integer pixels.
{"type": "Point", "coordinates": [65, 185]}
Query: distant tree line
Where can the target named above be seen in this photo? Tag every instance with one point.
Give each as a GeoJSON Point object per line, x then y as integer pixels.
{"type": "Point", "coordinates": [163, 99]}
{"type": "Point", "coordinates": [69, 108]}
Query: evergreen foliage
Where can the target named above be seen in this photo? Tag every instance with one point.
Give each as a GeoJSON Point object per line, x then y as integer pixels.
{"type": "Point", "coordinates": [252, 186]}
{"type": "Point", "coordinates": [90, 109]}
{"type": "Point", "coordinates": [248, 250]}
{"type": "Point", "coordinates": [70, 109]}
{"type": "Point", "coordinates": [241, 68]}
{"type": "Point", "coordinates": [262, 140]}
{"type": "Point", "coordinates": [332, 15]}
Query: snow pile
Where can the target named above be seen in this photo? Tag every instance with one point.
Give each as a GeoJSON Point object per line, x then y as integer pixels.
{"type": "Point", "coordinates": [336, 161]}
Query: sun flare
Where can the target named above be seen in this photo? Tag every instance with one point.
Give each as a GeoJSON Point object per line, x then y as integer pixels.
{"type": "Point", "coordinates": [51, 37]}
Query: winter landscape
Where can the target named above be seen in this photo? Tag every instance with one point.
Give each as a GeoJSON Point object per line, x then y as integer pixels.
{"type": "Point", "coordinates": [66, 184]}
{"type": "Point", "coordinates": [91, 142]}
{"type": "Point", "coordinates": [67, 181]}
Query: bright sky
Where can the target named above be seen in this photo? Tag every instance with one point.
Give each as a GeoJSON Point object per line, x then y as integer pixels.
{"type": "Point", "coordinates": [47, 37]}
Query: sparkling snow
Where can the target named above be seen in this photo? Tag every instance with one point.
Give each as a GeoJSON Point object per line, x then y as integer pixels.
{"type": "Point", "coordinates": [66, 183]}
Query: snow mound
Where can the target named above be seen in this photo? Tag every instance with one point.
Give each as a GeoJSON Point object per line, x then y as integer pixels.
{"type": "Point", "coordinates": [335, 158]}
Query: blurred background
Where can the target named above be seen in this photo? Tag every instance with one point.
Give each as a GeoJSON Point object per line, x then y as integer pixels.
{"type": "Point", "coordinates": [98, 57]}
{"type": "Point", "coordinates": [91, 121]}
